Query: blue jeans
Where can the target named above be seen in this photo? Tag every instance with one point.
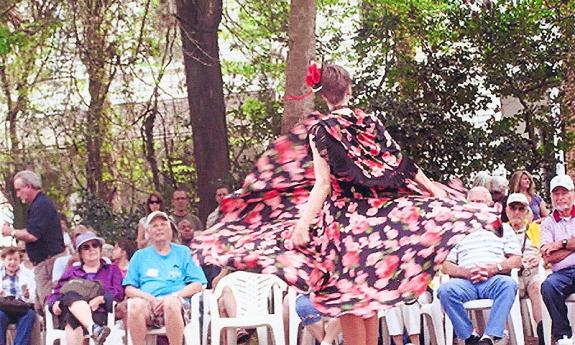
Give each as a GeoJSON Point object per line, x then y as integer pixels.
{"type": "Point", "coordinates": [499, 288]}
{"type": "Point", "coordinates": [24, 324]}
{"type": "Point", "coordinates": [555, 289]}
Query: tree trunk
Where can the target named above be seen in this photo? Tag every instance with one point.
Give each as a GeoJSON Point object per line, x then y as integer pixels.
{"type": "Point", "coordinates": [199, 21]}
{"type": "Point", "coordinates": [301, 34]}
{"type": "Point", "coordinates": [569, 101]}
{"type": "Point", "coordinates": [91, 30]}
{"type": "Point", "coordinates": [149, 150]}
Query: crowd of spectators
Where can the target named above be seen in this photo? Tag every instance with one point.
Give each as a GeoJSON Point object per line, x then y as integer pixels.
{"type": "Point", "coordinates": [150, 280]}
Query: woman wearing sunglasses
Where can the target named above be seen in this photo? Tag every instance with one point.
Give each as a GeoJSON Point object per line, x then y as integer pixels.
{"type": "Point", "coordinates": [153, 203]}
{"type": "Point", "coordinates": [81, 316]}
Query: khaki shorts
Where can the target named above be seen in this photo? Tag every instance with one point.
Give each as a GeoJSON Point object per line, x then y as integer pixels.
{"type": "Point", "coordinates": [158, 321]}
{"type": "Point", "coordinates": [526, 281]}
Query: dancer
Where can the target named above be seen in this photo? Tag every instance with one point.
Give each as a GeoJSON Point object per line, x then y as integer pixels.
{"type": "Point", "coordinates": [376, 242]}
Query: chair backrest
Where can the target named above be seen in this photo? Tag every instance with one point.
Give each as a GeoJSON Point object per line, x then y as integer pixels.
{"type": "Point", "coordinates": [252, 292]}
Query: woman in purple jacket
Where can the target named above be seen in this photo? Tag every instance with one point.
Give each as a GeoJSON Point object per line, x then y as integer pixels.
{"type": "Point", "coordinates": [72, 309]}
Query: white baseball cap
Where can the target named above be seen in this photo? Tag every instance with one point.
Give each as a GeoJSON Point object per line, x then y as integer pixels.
{"type": "Point", "coordinates": [517, 197]}
{"type": "Point", "coordinates": [160, 214]}
{"type": "Point", "coordinates": [564, 181]}
{"type": "Point", "coordinates": [156, 214]}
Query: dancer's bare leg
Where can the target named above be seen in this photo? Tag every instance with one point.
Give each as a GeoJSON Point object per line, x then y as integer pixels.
{"type": "Point", "coordinates": [359, 331]}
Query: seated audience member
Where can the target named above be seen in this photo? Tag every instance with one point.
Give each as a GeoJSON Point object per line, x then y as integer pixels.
{"type": "Point", "coordinates": [123, 251]}
{"type": "Point", "coordinates": [522, 182]}
{"type": "Point", "coordinates": [26, 265]}
{"type": "Point", "coordinates": [155, 202]}
{"type": "Point", "coordinates": [529, 239]}
{"type": "Point", "coordinates": [186, 232]}
{"type": "Point", "coordinates": [557, 249]}
{"type": "Point", "coordinates": [479, 271]}
{"type": "Point", "coordinates": [227, 306]}
{"type": "Point", "coordinates": [181, 209]}
{"type": "Point", "coordinates": [404, 316]}
{"type": "Point", "coordinates": [482, 179]}
{"type": "Point", "coordinates": [65, 225]}
{"type": "Point", "coordinates": [324, 330]}
{"type": "Point", "coordinates": [74, 310]}
{"type": "Point", "coordinates": [19, 286]}
{"type": "Point", "coordinates": [221, 192]}
{"type": "Point", "coordinates": [108, 251]}
{"type": "Point", "coordinates": [160, 280]}
{"type": "Point", "coordinates": [498, 189]}
{"type": "Point", "coordinates": [63, 262]}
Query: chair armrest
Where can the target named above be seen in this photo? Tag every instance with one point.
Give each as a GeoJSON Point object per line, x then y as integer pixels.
{"type": "Point", "coordinates": [192, 333]}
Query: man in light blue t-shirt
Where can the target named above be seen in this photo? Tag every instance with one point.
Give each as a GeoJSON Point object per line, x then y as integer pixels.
{"type": "Point", "coordinates": [159, 282]}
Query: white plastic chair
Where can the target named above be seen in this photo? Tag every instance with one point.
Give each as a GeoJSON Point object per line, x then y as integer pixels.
{"type": "Point", "coordinates": [514, 321]}
{"type": "Point", "coordinates": [252, 293]}
{"type": "Point", "coordinates": [433, 318]}
{"type": "Point", "coordinates": [191, 329]}
{"type": "Point", "coordinates": [433, 325]}
{"type": "Point", "coordinates": [207, 295]}
{"type": "Point", "coordinates": [52, 334]}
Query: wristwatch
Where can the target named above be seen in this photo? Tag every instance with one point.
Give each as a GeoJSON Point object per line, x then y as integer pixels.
{"type": "Point", "coordinates": [499, 267]}
{"type": "Point", "coordinates": [564, 244]}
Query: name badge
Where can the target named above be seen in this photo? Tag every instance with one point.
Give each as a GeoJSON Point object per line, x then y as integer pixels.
{"type": "Point", "coordinates": [152, 272]}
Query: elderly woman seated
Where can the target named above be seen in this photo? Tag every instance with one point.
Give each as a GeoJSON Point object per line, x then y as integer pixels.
{"type": "Point", "coordinates": [80, 313]}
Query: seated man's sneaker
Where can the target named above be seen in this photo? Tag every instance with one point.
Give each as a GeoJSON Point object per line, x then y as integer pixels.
{"type": "Point", "coordinates": [564, 341]}
{"type": "Point", "coordinates": [100, 333]}
{"type": "Point", "coordinates": [486, 340]}
{"type": "Point", "coordinates": [472, 340]}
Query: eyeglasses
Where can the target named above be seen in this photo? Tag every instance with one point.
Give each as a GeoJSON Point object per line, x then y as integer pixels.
{"type": "Point", "coordinates": [94, 245]}
{"type": "Point", "coordinates": [154, 202]}
{"type": "Point", "coordinates": [181, 198]}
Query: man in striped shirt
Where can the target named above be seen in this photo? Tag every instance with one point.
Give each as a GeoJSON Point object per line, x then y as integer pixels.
{"type": "Point", "coordinates": [479, 267]}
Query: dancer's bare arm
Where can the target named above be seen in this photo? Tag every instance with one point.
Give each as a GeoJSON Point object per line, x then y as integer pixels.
{"type": "Point", "coordinates": [422, 180]}
{"type": "Point", "coordinates": [318, 194]}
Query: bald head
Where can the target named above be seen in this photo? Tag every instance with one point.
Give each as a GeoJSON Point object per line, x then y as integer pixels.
{"type": "Point", "coordinates": [479, 195]}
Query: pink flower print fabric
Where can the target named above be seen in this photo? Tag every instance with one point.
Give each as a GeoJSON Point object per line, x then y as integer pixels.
{"type": "Point", "coordinates": [375, 242]}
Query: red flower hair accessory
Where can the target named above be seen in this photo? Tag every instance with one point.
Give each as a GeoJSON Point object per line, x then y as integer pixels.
{"type": "Point", "coordinates": [313, 77]}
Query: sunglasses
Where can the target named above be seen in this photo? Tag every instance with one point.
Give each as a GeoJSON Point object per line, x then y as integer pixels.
{"type": "Point", "coordinates": [154, 202]}
{"type": "Point", "coordinates": [517, 208]}
{"type": "Point", "coordinates": [94, 245]}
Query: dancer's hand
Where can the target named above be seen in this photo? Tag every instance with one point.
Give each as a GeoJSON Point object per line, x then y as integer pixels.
{"type": "Point", "coordinates": [300, 236]}
{"type": "Point", "coordinates": [438, 192]}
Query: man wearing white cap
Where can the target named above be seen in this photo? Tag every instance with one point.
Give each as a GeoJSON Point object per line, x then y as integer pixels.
{"type": "Point", "coordinates": [558, 246]}
{"type": "Point", "coordinates": [160, 280]}
{"type": "Point", "coordinates": [529, 237]}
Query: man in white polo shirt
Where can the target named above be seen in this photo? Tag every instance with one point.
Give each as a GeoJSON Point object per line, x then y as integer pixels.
{"type": "Point", "coordinates": [478, 266]}
{"type": "Point", "coordinates": [557, 249]}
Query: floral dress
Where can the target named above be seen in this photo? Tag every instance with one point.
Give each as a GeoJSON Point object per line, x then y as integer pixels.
{"type": "Point", "coordinates": [376, 242]}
